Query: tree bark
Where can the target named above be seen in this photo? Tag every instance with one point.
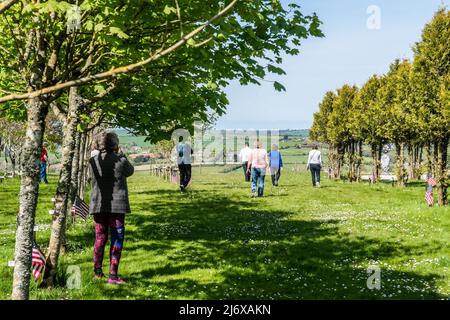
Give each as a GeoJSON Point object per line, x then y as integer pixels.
{"type": "Point", "coordinates": [400, 167]}
{"type": "Point", "coordinates": [376, 161]}
{"type": "Point", "coordinates": [62, 191]}
{"type": "Point", "coordinates": [359, 161]}
{"type": "Point", "coordinates": [82, 164]}
{"type": "Point", "coordinates": [75, 167]}
{"type": "Point", "coordinates": [441, 171]}
{"type": "Point", "coordinates": [340, 161]}
{"type": "Point", "coordinates": [429, 158]}
{"type": "Point", "coordinates": [28, 197]}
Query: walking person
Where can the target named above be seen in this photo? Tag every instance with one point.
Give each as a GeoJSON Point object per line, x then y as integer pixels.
{"type": "Point", "coordinates": [109, 202]}
{"type": "Point", "coordinates": [43, 165]}
{"type": "Point", "coordinates": [184, 161]}
{"type": "Point", "coordinates": [257, 164]}
{"type": "Point", "coordinates": [315, 165]}
{"type": "Point", "coordinates": [244, 155]}
{"type": "Point", "coordinates": [275, 164]}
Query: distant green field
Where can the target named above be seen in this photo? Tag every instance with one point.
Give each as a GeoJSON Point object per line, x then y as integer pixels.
{"type": "Point", "coordinates": [131, 140]}
{"type": "Point", "coordinates": [217, 243]}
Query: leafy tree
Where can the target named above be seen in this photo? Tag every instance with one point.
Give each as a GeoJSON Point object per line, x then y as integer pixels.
{"type": "Point", "coordinates": [339, 127]}
{"type": "Point", "coordinates": [370, 119]}
{"type": "Point", "coordinates": [214, 42]}
{"type": "Point", "coordinates": [432, 70]}
{"type": "Point", "coordinates": [319, 131]}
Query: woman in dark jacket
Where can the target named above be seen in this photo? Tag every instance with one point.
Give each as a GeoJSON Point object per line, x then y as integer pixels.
{"type": "Point", "coordinates": [109, 202]}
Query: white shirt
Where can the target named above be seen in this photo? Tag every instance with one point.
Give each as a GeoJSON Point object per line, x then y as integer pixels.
{"type": "Point", "coordinates": [94, 153]}
{"type": "Point", "coordinates": [245, 153]}
{"type": "Point", "coordinates": [186, 149]}
{"type": "Point", "coordinates": [314, 157]}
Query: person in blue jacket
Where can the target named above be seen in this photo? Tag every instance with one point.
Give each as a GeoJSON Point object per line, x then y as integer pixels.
{"type": "Point", "coordinates": [275, 164]}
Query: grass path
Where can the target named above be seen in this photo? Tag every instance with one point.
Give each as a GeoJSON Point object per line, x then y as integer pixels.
{"type": "Point", "coordinates": [218, 243]}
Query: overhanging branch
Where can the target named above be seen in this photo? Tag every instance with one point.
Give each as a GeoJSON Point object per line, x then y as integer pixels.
{"type": "Point", "coordinates": [5, 5]}
{"type": "Point", "coordinates": [124, 69]}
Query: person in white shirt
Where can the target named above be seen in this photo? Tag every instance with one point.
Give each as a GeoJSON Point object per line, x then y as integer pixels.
{"type": "Point", "coordinates": [315, 165]}
{"type": "Point", "coordinates": [184, 161]}
{"type": "Point", "coordinates": [244, 156]}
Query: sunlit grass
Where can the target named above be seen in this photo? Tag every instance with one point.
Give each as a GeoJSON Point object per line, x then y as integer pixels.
{"type": "Point", "coordinates": [218, 243]}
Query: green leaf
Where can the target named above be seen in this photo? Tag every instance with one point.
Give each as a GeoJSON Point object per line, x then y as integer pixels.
{"type": "Point", "coordinates": [212, 85]}
{"type": "Point", "coordinates": [278, 86]}
{"type": "Point", "coordinates": [168, 10]}
{"type": "Point", "coordinates": [118, 32]}
{"type": "Point", "coordinates": [99, 27]}
{"type": "Point", "coordinates": [99, 88]}
{"type": "Point", "coordinates": [89, 25]}
{"type": "Point", "coordinates": [191, 42]}
{"type": "Point", "coordinates": [275, 70]}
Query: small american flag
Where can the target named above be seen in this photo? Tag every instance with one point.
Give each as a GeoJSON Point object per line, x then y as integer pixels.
{"type": "Point", "coordinates": [37, 262]}
{"type": "Point", "coordinates": [174, 177]}
{"type": "Point", "coordinates": [80, 208]}
{"type": "Point", "coordinates": [431, 181]}
{"type": "Point", "coordinates": [429, 198]}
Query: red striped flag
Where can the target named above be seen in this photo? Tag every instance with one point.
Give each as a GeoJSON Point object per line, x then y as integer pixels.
{"type": "Point", "coordinates": [80, 208]}
{"type": "Point", "coordinates": [431, 181]}
{"type": "Point", "coordinates": [37, 262]}
{"type": "Point", "coordinates": [429, 198]}
{"type": "Point", "coordinates": [174, 177]}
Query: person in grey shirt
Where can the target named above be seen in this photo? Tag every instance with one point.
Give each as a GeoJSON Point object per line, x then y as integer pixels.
{"type": "Point", "coordinates": [184, 161]}
{"type": "Point", "coordinates": [315, 165]}
{"type": "Point", "coordinates": [109, 202]}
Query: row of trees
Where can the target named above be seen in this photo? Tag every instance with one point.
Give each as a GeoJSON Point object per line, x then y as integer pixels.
{"type": "Point", "coordinates": [408, 107]}
{"type": "Point", "coordinates": [151, 66]}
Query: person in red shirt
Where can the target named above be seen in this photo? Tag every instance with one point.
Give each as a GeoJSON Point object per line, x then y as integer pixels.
{"type": "Point", "coordinates": [44, 161]}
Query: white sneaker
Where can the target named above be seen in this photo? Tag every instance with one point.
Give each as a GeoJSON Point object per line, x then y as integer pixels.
{"type": "Point", "coordinates": [318, 184]}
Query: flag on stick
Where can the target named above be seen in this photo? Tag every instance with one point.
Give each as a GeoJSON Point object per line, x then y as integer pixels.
{"type": "Point", "coordinates": [429, 198]}
{"type": "Point", "coordinates": [80, 208]}
{"type": "Point", "coordinates": [174, 177]}
{"type": "Point", "coordinates": [37, 262]}
{"type": "Point", "coordinates": [431, 182]}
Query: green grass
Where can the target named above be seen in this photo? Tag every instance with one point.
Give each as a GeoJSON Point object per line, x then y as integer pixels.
{"type": "Point", "coordinates": [218, 243]}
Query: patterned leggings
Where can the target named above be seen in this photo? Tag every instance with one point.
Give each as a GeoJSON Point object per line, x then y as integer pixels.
{"type": "Point", "coordinates": [116, 224]}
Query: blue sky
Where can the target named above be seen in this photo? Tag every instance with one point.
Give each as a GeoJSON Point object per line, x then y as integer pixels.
{"type": "Point", "coordinates": [349, 53]}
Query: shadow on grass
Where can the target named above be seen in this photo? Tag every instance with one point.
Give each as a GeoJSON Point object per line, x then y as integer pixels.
{"type": "Point", "coordinates": [258, 254]}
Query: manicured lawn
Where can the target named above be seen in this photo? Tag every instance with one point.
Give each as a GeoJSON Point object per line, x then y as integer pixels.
{"type": "Point", "coordinates": [218, 243]}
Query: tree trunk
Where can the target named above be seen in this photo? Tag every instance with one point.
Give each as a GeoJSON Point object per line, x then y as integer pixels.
{"type": "Point", "coordinates": [333, 160]}
{"type": "Point", "coordinates": [28, 197]}
{"type": "Point", "coordinates": [82, 164]}
{"type": "Point", "coordinates": [429, 158]}
{"type": "Point", "coordinates": [441, 171]}
{"type": "Point", "coordinates": [359, 161]}
{"type": "Point", "coordinates": [62, 191]}
{"type": "Point", "coordinates": [340, 160]}
{"type": "Point", "coordinates": [411, 161]}
{"type": "Point", "coordinates": [87, 153]}
{"type": "Point", "coordinates": [352, 161]}
{"type": "Point", "coordinates": [75, 167]}
{"type": "Point", "coordinates": [400, 167]}
{"type": "Point", "coordinates": [376, 161]}
{"type": "Point", "coordinates": [435, 158]}
{"type": "Point", "coordinates": [420, 157]}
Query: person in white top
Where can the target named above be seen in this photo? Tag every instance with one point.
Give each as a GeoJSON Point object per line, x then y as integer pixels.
{"type": "Point", "coordinates": [315, 165]}
{"type": "Point", "coordinates": [244, 156]}
{"type": "Point", "coordinates": [184, 161]}
{"type": "Point", "coordinates": [258, 163]}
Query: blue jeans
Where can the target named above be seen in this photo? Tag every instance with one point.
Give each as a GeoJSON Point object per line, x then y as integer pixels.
{"type": "Point", "coordinates": [258, 173]}
{"type": "Point", "coordinates": [43, 172]}
{"type": "Point", "coordinates": [315, 173]}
